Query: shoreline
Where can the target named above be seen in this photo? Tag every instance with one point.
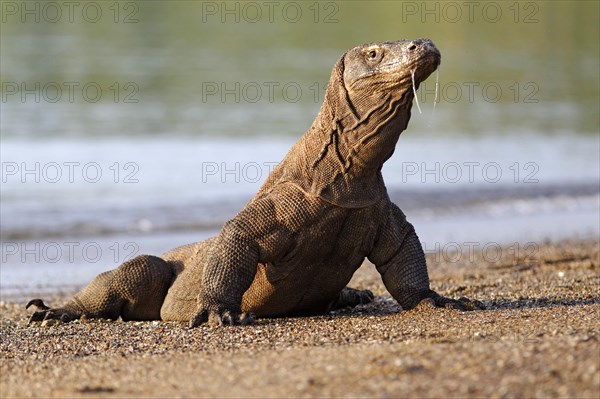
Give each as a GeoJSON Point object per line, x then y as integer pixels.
{"type": "Point", "coordinates": [538, 337]}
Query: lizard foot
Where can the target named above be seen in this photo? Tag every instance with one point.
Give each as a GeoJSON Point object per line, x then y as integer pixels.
{"type": "Point", "coordinates": [350, 297]}
{"type": "Point", "coordinates": [45, 314]}
{"type": "Point", "coordinates": [438, 301]}
{"type": "Point", "coordinates": [221, 316]}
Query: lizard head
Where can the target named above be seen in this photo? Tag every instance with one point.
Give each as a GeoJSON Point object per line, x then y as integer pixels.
{"type": "Point", "coordinates": [369, 97]}
{"type": "Point", "coordinates": [378, 79]}
{"type": "Point", "coordinates": [387, 68]}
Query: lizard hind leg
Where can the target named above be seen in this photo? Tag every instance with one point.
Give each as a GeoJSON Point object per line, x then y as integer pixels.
{"type": "Point", "coordinates": [133, 291]}
{"type": "Point", "coordinates": [141, 285]}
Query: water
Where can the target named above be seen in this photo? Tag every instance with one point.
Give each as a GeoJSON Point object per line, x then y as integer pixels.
{"type": "Point", "coordinates": [153, 125]}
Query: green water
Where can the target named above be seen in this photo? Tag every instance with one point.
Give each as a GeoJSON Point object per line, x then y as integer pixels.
{"type": "Point", "coordinates": [259, 68]}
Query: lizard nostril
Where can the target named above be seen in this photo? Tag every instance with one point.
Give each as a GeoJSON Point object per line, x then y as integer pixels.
{"type": "Point", "coordinates": [414, 44]}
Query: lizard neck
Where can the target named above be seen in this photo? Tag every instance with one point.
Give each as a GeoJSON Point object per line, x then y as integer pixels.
{"type": "Point", "coordinates": [367, 135]}
{"type": "Point", "coordinates": [340, 157]}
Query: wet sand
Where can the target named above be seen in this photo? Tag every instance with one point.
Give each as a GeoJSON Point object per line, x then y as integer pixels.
{"type": "Point", "coordinates": [538, 338]}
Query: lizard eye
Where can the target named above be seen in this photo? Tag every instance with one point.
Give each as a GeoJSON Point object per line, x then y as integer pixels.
{"type": "Point", "coordinates": [373, 54]}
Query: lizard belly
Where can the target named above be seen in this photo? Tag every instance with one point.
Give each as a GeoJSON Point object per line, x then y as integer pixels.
{"type": "Point", "coordinates": [308, 289]}
{"type": "Point", "coordinates": [314, 271]}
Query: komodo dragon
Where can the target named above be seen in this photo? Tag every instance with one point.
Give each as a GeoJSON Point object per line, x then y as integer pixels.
{"type": "Point", "coordinates": [293, 248]}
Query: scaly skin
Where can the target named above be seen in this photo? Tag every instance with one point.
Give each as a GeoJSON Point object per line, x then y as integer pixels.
{"type": "Point", "coordinates": [293, 248]}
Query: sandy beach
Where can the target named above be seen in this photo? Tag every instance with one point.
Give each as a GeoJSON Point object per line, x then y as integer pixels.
{"type": "Point", "coordinates": [538, 338]}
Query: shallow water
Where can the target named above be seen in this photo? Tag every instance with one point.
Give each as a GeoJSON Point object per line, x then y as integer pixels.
{"type": "Point", "coordinates": [151, 126]}
{"type": "Point", "coordinates": [73, 208]}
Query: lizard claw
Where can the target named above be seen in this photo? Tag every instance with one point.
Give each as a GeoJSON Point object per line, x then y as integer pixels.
{"type": "Point", "coordinates": [39, 315]}
{"type": "Point", "coordinates": [36, 316]}
{"type": "Point", "coordinates": [366, 296]}
{"type": "Point", "coordinates": [38, 303]}
{"type": "Point", "coordinates": [228, 318]}
{"type": "Point", "coordinates": [471, 304]}
{"type": "Point", "coordinates": [46, 314]}
{"type": "Point", "coordinates": [200, 318]}
{"type": "Point", "coordinates": [221, 317]}
{"type": "Point", "coordinates": [462, 303]}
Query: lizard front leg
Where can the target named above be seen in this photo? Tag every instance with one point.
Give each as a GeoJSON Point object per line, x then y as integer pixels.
{"type": "Point", "coordinates": [230, 269]}
{"type": "Point", "coordinates": [254, 235]}
{"type": "Point", "coordinates": [400, 260]}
